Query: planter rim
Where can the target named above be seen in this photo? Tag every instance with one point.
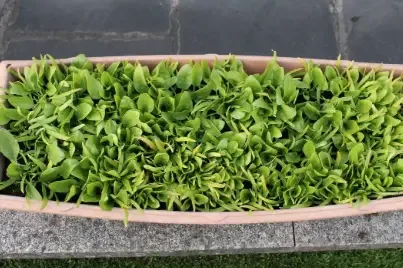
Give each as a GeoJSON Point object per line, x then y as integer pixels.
{"type": "Point", "coordinates": [252, 64]}
{"type": "Point", "coordinates": [178, 217]}
{"type": "Point", "coordinates": [247, 59]}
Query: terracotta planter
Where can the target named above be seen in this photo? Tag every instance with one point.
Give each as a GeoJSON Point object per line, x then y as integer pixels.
{"type": "Point", "coordinates": [252, 64]}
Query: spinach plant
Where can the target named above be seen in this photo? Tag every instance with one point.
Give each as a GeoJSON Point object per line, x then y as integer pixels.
{"type": "Point", "coordinates": [202, 138]}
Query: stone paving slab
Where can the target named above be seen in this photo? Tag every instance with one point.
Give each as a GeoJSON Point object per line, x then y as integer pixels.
{"type": "Point", "coordinates": [26, 49]}
{"type": "Point", "coordinates": [93, 16]}
{"type": "Point", "coordinates": [25, 235]}
{"type": "Point", "coordinates": [374, 30]}
{"type": "Point", "coordinates": [293, 28]}
{"type": "Point", "coordinates": [370, 231]}
{"type": "Point", "coordinates": [100, 27]}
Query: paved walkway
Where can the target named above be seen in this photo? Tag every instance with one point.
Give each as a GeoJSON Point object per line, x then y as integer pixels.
{"type": "Point", "coordinates": [24, 235]}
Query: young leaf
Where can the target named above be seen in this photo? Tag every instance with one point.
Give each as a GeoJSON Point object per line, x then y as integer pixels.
{"type": "Point", "coordinates": [287, 112]}
{"type": "Point", "coordinates": [32, 192]}
{"type": "Point", "coordinates": [18, 89]}
{"type": "Point", "coordinates": [83, 110]}
{"type": "Point", "coordinates": [309, 149]}
{"type": "Point", "coordinates": [330, 73]}
{"type": "Point", "coordinates": [94, 87]}
{"type": "Point", "coordinates": [364, 106]}
{"type": "Point", "coordinates": [8, 145]}
{"type": "Point", "coordinates": [201, 199]}
{"type": "Point", "coordinates": [318, 78]}
{"type": "Point", "coordinates": [55, 154]}
{"type": "Point", "coordinates": [197, 74]}
{"type": "Point", "coordinates": [145, 103]}
{"type": "Point", "coordinates": [206, 69]}
{"type": "Point", "coordinates": [183, 102]}
{"type": "Point", "coordinates": [139, 80]}
{"type": "Point", "coordinates": [253, 83]}
{"type": "Point", "coordinates": [161, 159]}
{"type": "Point", "coordinates": [237, 114]}
{"type": "Point", "coordinates": [3, 117]}
{"type": "Point", "coordinates": [49, 174]}
{"type": "Point", "coordinates": [24, 102]}
{"type": "Point", "coordinates": [67, 167]}
{"type": "Point", "coordinates": [62, 186]}
{"type": "Point", "coordinates": [355, 153]}
{"type": "Point", "coordinates": [184, 77]}
{"type": "Point", "coordinates": [289, 89]}
{"type": "Point", "coordinates": [131, 118]}
{"type": "Point", "coordinates": [13, 171]}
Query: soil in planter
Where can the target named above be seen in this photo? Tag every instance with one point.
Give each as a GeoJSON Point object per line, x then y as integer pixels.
{"type": "Point", "coordinates": [202, 138]}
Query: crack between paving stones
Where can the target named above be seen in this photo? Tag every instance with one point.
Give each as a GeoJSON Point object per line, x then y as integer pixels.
{"type": "Point", "coordinates": [10, 11]}
{"type": "Point", "coordinates": [175, 26]}
{"type": "Point", "coordinates": [19, 36]}
{"type": "Point", "coordinates": [8, 15]}
{"type": "Point", "coordinates": [293, 234]}
{"type": "Point", "coordinates": [340, 27]}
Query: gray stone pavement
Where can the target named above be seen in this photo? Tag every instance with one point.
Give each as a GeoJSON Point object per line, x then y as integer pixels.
{"type": "Point", "coordinates": [360, 30]}
{"type": "Point", "coordinates": [39, 235]}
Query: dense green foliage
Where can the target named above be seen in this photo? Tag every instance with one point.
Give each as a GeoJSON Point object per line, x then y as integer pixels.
{"type": "Point", "coordinates": [201, 138]}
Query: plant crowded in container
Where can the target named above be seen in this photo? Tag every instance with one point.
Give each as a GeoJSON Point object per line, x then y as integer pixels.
{"type": "Point", "coordinates": [199, 137]}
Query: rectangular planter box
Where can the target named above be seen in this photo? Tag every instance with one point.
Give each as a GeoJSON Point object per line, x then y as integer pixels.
{"type": "Point", "coordinates": [252, 64]}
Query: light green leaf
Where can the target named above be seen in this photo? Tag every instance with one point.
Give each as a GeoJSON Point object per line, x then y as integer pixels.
{"type": "Point", "coordinates": [110, 127]}
{"type": "Point", "coordinates": [206, 69]}
{"type": "Point", "coordinates": [83, 110]}
{"type": "Point", "coordinates": [311, 111]}
{"type": "Point", "coordinates": [24, 102]}
{"type": "Point", "coordinates": [364, 106]}
{"type": "Point", "coordinates": [261, 103]}
{"type": "Point", "coordinates": [201, 199]}
{"type": "Point", "coordinates": [184, 139]}
{"type": "Point", "coordinates": [13, 171]}
{"type": "Point", "coordinates": [72, 192]}
{"type": "Point", "coordinates": [145, 103]}
{"type": "Point", "coordinates": [80, 61]}
{"type": "Point", "coordinates": [166, 104]}
{"type": "Point", "coordinates": [309, 149]}
{"type": "Point", "coordinates": [184, 77]}
{"type": "Point", "coordinates": [94, 87]}
{"type": "Point", "coordinates": [18, 89]}
{"type": "Point", "coordinates": [330, 73]}
{"type": "Point", "coordinates": [355, 153]}
{"type": "Point", "coordinates": [32, 192]}
{"type": "Point", "coordinates": [253, 83]}
{"type": "Point", "coordinates": [62, 186]}
{"type": "Point", "coordinates": [67, 167]}
{"type": "Point", "coordinates": [287, 112]}
{"type": "Point", "coordinates": [184, 102]}
{"type": "Point", "coordinates": [55, 154]}
{"type": "Point", "coordinates": [197, 74]}
{"type": "Point", "coordinates": [237, 114]}
{"type": "Point", "coordinates": [139, 80]}
{"type": "Point", "coordinates": [292, 157]}
{"type": "Point", "coordinates": [318, 78]}
{"type": "Point", "coordinates": [8, 145]}
{"type": "Point", "coordinates": [3, 117]}
{"type": "Point", "coordinates": [161, 159]}
{"type": "Point", "coordinates": [289, 89]}
{"type": "Point", "coordinates": [131, 118]}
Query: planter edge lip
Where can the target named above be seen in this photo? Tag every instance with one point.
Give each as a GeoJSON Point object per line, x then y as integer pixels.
{"type": "Point", "coordinates": [16, 203]}
{"type": "Point", "coordinates": [174, 217]}
{"type": "Point", "coordinates": [183, 58]}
